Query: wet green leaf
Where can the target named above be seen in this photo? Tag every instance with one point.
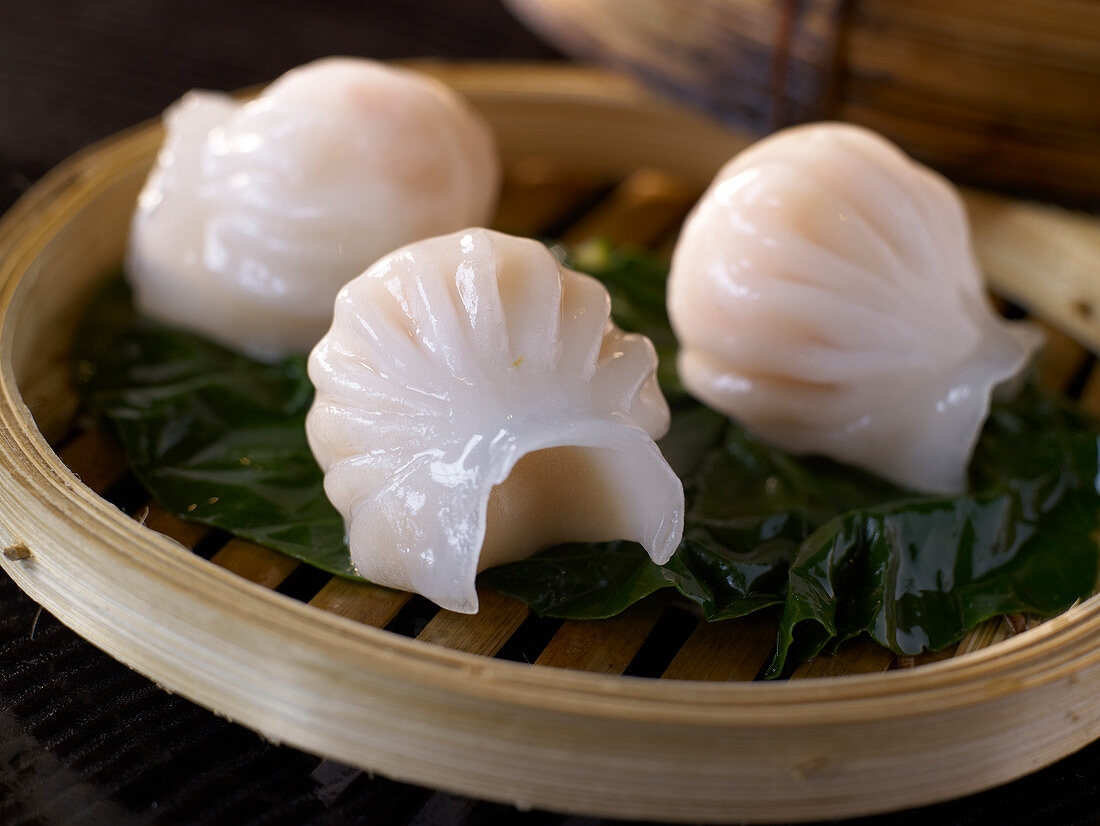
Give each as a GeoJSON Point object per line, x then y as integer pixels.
{"type": "Point", "coordinates": [216, 437]}
{"type": "Point", "coordinates": [219, 439]}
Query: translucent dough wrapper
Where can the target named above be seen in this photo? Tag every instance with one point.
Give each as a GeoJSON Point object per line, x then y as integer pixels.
{"type": "Point", "coordinates": [257, 213]}
{"type": "Point", "coordinates": [825, 294]}
{"type": "Point", "coordinates": [474, 405]}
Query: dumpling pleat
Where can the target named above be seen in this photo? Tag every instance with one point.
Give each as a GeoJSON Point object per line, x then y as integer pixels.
{"type": "Point", "coordinates": [825, 295]}
{"type": "Point", "coordinates": [474, 403]}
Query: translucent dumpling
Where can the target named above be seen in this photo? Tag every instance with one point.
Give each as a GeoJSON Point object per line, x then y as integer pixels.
{"type": "Point", "coordinates": [475, 404]}
{"type": "Point", "coordinates": [257, 213]}
{"type": "Point", "coordinates": [825, 294]}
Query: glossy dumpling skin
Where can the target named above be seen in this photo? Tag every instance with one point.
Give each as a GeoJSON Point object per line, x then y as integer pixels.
{"type": "Point", "coordinates": [825, 294]}
{"type": "Point", "coordinates": [474, 405]}
{"type": "Point", "coordinates": [257, 213]}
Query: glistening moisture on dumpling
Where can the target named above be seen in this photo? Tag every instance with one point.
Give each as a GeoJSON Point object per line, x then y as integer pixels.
{"type": "Point", "coordinates": [474, 405]}
{"type": "Point", "coordinates": [825, 294]}
{"type": "Point", "coordinates": [256, 213]}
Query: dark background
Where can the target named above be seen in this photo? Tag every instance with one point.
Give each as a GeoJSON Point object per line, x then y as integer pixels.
{"type": "Point", "coordinates": [82, 738]}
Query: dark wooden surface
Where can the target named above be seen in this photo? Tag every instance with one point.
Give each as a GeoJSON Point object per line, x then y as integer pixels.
{"type": "Point", "coordinates": [82, 738]}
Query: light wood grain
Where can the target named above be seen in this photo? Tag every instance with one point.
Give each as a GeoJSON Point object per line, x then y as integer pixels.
{"type": "Point", "coordinates": [735, 649]}
{"type": "Point", "coordinates": [254, 562]}
{"type": "Point", "coordinates": [601, 646]}
{"type": "Point", "coordinates": [320, 676]}
{"type": "Point", "coordinates": [360, 601]}
{"type": "Point", "coordinates": [156, 518]}
{"type": "Point", "coordinates": [96, 459]}
{"type": "Point", "coordinates": [483, 633]}
{"type": "Point", "coordinates": [988, 633]}
{"type": "Point", "coordinates": [858, 656]}
{"type": "Point", "coordinates": [926, 657]}
{"type": "Point", "coordinates": [999, 93]}
{"type": "Point", "coordinates": [1041, 257]}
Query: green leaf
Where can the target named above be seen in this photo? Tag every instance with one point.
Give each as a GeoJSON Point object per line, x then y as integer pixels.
{"type": "Point", "coordinates": [580, 581]}
{"type": "Point", "coordinates": [219, 438]}
{"type": "Point", "coordinates": [918, 575]}
{"type": "Point", "coordinates": [750, 507]}
{"type": "Point", "coordinates": [216, 437]}
{"type": "Point", "coordinates": [841, 551]}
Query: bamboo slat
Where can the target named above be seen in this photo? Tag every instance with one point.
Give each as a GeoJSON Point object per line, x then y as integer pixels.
{"type": "Point", "coordinates": [988, 633]}
{"type": "Point", "coordinates": [603, 646]}
{"type": "Point", "coordinates": [254, 562]}
{"type": "Point", "coordinates": [360, 601]}
{"type": "Point", "coordinates": [859, 656]}
{"type": "Point", "coordinates": [482, 633]}
{"type": "Point", "coordinates": [96, 459]}
{"type": "Point", "coordinates": [156, 518]}
{"type": "Point", "coordinates": [926, 658]}
{"type": "Point", "coordinates": [1041, 257]}
{"type": "Point", "coordinates": [720, 651]}
{"type": "Point", "coordinates": [439, 709]}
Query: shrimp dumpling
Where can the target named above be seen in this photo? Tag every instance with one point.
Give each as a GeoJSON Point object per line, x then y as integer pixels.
{"type": "Point", "coordinates": [474, 405]}
{"type": "Point", "coordinates": [825, 294]}
{"type": "Point", "coordinates": [256, 213]}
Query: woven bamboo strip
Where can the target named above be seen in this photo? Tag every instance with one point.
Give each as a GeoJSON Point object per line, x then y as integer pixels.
{"type": "Point", "coordinates": [926, 658]}
{"type": "Point", "coordinates": [858, 656]}
{"type": "Point", "coordinates": [484, 633]}
{"type": "Point", "coordinates": [51, 399]}
{"type": "Point", "coordinates": [604, 646]}
{"type": "Point", "coordinates": [998, 93]}
{"type": "Point", "coordinates": [360, 601]}
{"type": "Point", "coordinates": [156, 518]}
{"type": "Point", "coordinates": [95, 458]}
{"type": "Point", "coordinates": [1041, 257]}
{"type": "Point", "coordinates": [254, 562]}
{"type": "Point", "coordinates": [730, 650]}
{"type": "Point", "coordinates": [988, 633]}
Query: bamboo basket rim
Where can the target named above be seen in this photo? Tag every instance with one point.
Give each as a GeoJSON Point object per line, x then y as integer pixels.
{"type": "Point", "coordinates": [353, 692]}
{"type": "Point", "coordinates": [1040, 655]}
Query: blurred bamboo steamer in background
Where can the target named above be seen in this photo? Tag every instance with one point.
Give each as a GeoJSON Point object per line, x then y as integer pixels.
{"type": "Point", "coordinates": [1004, 94]}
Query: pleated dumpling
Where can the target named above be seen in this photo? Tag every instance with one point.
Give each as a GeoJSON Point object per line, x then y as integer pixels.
{"type": "Point", "coordinates": [475, 404]}
{"type": "Point", "coordinates": [825, 294]}
{"type": "Point", "coordinates": [256, 213]}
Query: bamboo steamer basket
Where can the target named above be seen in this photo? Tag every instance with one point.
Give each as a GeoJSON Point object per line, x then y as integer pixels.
{"type": "Point", "coordinates": [235, 628]}
{"type": "Point", "coordinates": [1004, 94]}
